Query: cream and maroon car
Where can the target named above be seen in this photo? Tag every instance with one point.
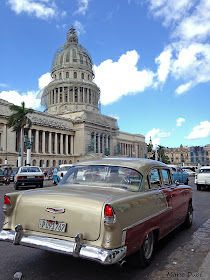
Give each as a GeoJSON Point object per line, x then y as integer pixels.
{"type": "Point", "coordinates": [104, 210]}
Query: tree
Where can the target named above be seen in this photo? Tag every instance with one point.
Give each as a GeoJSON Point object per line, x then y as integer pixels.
{"type": "Point", "coordinates": [161, 155]}
{"type": "Point", "coordinates": [18, 121]}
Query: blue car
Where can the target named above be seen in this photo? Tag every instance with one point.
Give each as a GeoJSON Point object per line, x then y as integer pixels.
{"type": "Point", "coordinates": [179, 174]}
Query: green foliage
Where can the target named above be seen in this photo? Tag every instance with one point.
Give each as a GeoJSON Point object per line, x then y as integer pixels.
{"type": "Point", "coordinates": [19, 119]}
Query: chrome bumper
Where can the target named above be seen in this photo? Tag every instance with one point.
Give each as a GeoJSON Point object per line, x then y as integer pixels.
{"type": "Point", "coordinates": [76, 249]}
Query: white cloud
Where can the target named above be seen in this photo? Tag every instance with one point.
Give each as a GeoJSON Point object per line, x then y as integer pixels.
{"type": "Point", "coordinates": [41, 9]}
{"type": "Point", "coordinates": [180, 121]}
{"type": "Point", "coordinates": [83, 5]}
{"type": "Point", "coordinates": [31, 98]}
{"type": "Point", "coordinates": [44, 80]}
{"type": "Point", "coordinates": [120, 78]}
{"type": "Point", "coordinates": [187, 58]}
{"type": "Point", "coordinates": [164, 65]}
{"type": "Point", "coordinates": [79, 27]}
{"type": "Point", "coordinates": [200, 131]}
{"type": "Point", "coordinates": [3, 85]}
{"type": "Point", "coordinates": [16, 98]}
{"type": "Point", "coordinates": [156, 134]}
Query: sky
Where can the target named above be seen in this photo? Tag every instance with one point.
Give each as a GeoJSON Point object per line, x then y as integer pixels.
{"type": "Point", "coordinates": [151, 60]}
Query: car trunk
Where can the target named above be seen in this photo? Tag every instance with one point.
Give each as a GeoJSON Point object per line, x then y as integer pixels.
{"type": "Point", "coordinates": [204, 178]}
{"type": "Point", "coordinates": [82, 211]}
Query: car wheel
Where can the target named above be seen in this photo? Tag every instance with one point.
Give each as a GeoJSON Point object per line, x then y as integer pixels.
{"type": "Point", "coordinates": [16, 186]}
{"type": "Point", "coordinates": [143, 257]}
{"type": "Point", "coordinates": [198, 187]}
{"type": "Point", "coordinates": [41, 185]}
{"type": "Point", "coordinates": [186, 183]}
{"type": "Point", "coordinates": [188, 221]}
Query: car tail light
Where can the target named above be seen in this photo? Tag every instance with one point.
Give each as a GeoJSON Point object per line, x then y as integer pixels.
{"type": "Point", "coordinates": [20, 177]}
{"type": "Point", "coordinates": [109, 215]}
{"type": "Point", "coordinates": [40, 177]}
{"type": "Point", "coordinates": [7, 203]}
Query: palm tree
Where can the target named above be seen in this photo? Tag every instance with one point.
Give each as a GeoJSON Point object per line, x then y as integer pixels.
{"type": "Point", "coordinates": [18, 121]}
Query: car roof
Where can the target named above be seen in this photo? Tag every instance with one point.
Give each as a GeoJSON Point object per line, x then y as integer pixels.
{"type": "Point", "coordinates": [205, 167]}
{"type": "Point", "coordinates": [135, 163]}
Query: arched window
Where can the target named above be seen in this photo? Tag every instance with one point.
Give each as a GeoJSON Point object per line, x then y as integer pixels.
{"type": "Point", "coordinates": [74, 55]}
{"type": "Point", "coordinates": [76, 95]}
{"type": "Point", "coordinates": [75, 75]}
{"type": "Point", "coordinates": [54, 163]}
{"type": "Point", "coordinates": [81, 59]}
{"type": "Point", "coordinates": [88, 77]}
{"type": "Point", "coordinates": [67, 75]}
{"type": "Point", "coordinates": [55, 77]}
{"type": "Point", "coordinates": [60, 76]}
{"type": "Point", "coordinates": [68, 56]}
{"type": "Point", "coordinates": [82, 76]}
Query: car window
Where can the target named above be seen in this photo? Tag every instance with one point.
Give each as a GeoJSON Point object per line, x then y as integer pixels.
{"type": "Point", "coordinates": [29, 169]}
{"type": "Point", "coordinates": [154, 178]}
{"type": "Point", "coordinates": [104, 176]}
{"type": "Point", "coordinates": [166, 177]}
{"type": "Point", "coordinates": [204, 171]}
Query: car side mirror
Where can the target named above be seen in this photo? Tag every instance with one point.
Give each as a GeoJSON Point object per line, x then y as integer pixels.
{"type": "Point", "coordinates": [177, 183]}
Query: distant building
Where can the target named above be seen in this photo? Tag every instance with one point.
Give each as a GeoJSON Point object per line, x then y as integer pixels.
{"type": "Point", "coordinates": [72, 128]}
{"type": "Point", "coordinates": [189, 155]}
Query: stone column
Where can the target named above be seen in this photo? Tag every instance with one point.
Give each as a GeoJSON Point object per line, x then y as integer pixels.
{"type": "Point", "coordinates": [50, 143]}
{"type": "Point", "coordinates": [43, 142]}
{"type": "Point", "coordinates": [37, 141]}
{"type": "Point", "coordinates": [72, 145]}
{"type": "Point", "coordinates": [56, 143]}
{"type": "Point", "coordinates": [73, 94]}
{"type": "Point", "coordinates": [61, 143]}
{"type": "Point", "coordinates": [66, 143]}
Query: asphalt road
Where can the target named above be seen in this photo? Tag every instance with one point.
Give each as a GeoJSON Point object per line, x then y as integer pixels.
{"type": "Point", "coordinates": [35, 264]}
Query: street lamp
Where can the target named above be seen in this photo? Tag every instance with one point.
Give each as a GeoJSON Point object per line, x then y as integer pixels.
{"type": "Point", "coordinates": [28, 142]}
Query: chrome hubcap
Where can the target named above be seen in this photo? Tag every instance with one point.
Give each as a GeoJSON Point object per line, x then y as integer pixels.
{"type": "Point", "coordinates": [148, 245]}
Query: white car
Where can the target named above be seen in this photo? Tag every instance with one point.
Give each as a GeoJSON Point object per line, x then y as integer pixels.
{"type": "Point", "coordinates": [189, 171]}
{"type": "Point", "coordinates": [202, 179]}
{"type": "Point", "coordinates": [28, 175]}
{"type": "Point", "coordinates": [63, 168]}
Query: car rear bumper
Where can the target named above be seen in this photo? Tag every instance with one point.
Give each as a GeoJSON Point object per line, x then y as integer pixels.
{"type": "Point", "coordinates": [33, 181]}
{"type": "Point", "coordinates": [76, 249]}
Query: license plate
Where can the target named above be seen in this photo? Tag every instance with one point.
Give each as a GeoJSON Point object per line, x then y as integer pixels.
{"type": "Point", "coordinates": [30, 176]}
{"type": "Point", "coordinates": [52, 225]}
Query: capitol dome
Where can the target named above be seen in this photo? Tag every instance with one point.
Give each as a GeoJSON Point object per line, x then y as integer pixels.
{"type": "Point", "coordinates": [72, 88]}
{"type": "Point", "coordinates": [72, 54]}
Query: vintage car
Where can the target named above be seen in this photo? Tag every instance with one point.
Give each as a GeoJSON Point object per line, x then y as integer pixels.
{"type": "Point", "coordinates": [27, 176]}
{"type": "Point", "coordinates": [104, 210]}
{"type": "Point", "coordinates": [178, 174]}
{"type": "Point", "coordinates": [202, 179]}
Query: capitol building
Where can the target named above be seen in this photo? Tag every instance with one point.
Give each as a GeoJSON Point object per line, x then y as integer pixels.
{"type": "Point", "coordinates": [71, 128]}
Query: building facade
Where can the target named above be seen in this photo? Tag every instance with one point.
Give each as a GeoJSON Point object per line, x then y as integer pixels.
{"type": "Point", "coordinates": [194, 155]}
{"type": "Point", "coordinates": [72, 128]}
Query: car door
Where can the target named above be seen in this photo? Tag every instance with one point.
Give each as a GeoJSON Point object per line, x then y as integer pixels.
{"type": "Point", "coordinates": [156, 183]}
{"type": "Point", "coordinates": [178, 201]}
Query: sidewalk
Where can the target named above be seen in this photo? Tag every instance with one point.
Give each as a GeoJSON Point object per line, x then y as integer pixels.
{"type": "Point", "coordinates": [190, 262]}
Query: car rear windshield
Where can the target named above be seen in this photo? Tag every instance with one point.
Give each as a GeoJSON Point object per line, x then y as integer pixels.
{"type": "Point", "coordinates": [204, 171]}
{"type": "Point", "coordinates": [104, 176]}
{"type": "Point", "coordinates": [64, 168]}
{"type": "Point", "coordinates": [30, 169]}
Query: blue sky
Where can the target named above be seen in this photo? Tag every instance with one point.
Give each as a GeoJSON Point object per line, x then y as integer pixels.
{"type": "Point", "coordinates": [151, 60]}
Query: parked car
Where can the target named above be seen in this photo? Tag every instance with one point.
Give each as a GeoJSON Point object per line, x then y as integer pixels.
{"type": "Point", "coordinates": [28, 175]}
{"type": "Point", "coordinates": [202, 179]}
{"type": "Point", "coordinates": [179, 175]}
{"type": "Point", "coordinates": [103, 210]}
{"type": "Point", "coordinates": [12, 176]}
{"type": "Point", "coordinates": [188, 171]}
{"type": "Point", "coordinates": [63, 168]}
{"type": "Point", "coordinates": [5, 172]}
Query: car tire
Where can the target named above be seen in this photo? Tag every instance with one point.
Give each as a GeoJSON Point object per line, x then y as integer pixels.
{"type": "Point", "coordinates": [16, 186]}
{"type": "Point", "coordinates": [198, 187]}
{"type": "Point", "coordinates": [41, 185]}
{"type": "Point", "coordinates": [186, 183]}
{"type": "Point", "coordinates": [189, 218]}
{"type": "Point", "coordinates": [143, 257]}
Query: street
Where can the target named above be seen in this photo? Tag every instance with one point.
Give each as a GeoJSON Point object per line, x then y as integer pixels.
{"type": "Point", "coordinates": [178, 256]}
